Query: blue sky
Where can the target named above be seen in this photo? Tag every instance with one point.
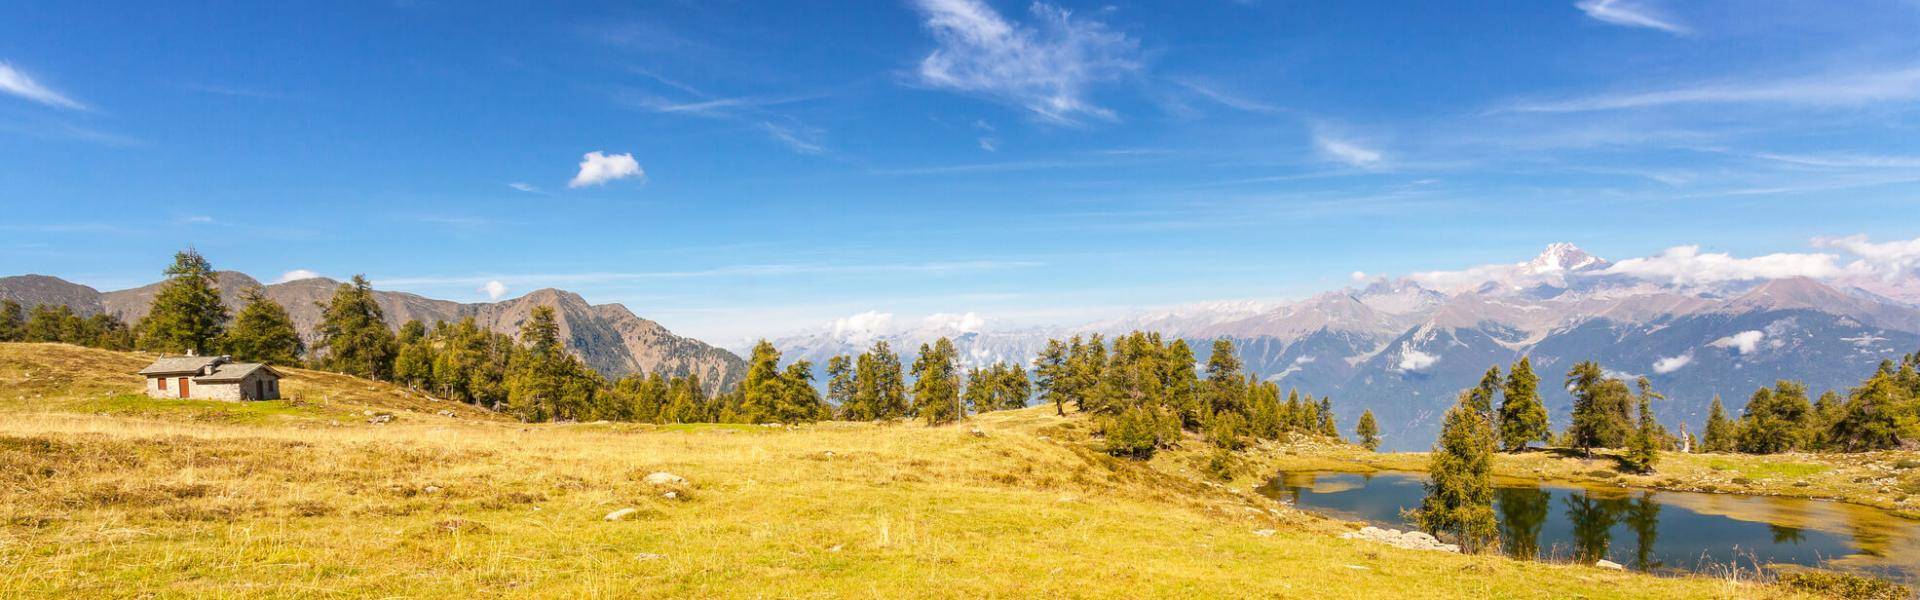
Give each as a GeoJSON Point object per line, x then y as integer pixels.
{"type": "Point", "coordinates": [738, 169]}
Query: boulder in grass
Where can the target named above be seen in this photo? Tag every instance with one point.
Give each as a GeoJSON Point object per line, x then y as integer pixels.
{"type": "Point", "coordinates": [665, 478]}
{"type": "Point", "coordinates": [621, 514]}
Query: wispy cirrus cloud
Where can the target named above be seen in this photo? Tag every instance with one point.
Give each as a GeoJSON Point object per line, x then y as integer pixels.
{"type": "Point", "coordinates": [1346, 151]}
{"type": "Point", "coordinates": [16, 82]}
{"type": "Point", "coordinates": [755, 270]}
{"type": "Point", "coordinates": [1047, 67]}
{"type": "Point", "coordinates": [804, 141]}
{"type": "Point", "coordinates": [1629, 13]}
{"type": "Point", "coordinates": [1839, 89]}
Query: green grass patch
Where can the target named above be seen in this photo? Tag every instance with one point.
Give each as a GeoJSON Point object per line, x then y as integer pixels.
{"type": "Point", "coordinates": [139, 405]}
{"type": "Point", "coordinates": [1767, 469]}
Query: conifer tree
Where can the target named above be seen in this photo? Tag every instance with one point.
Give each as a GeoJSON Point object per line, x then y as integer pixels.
{"type": "Point", "coordinates": [978, 394]}
{"type": "Point", "coordinates": [840, 386]}
{"type": "Point", "coordinates": [263, 332]}
{"type": "Point", "coordinates": [1601, 418]}
{"type": "Point", "coordinates": [801, 402]}
{"type": "Point", "coordinates": [187, 313]}
{"type": "Point", "coordinates": [1459, 498]}
{"type": "Point", "coordinates": [1719, 435]}
{"type": "Point", "coordinates": [879, 385]}
{"type": "Point", "coordinates": [354, 338]}
{"type": "Point", "coordinates": [1183, 385]}
{"type": "Point", "coordinates": [13, 321]}
{"type": "Point", "coordinates": [1326, 425]}
{"type": "Point", "coordinates": [763, 389]}
{"type": "Point", "coordinates": [1523, 419]}
{"type": "Point", "coordinates": [50, 323]}
{"type": "Point", "coordinates": [1776, 420]}
{"type": "Point", "coordinates": [1867, 421]}
{"type": "Point", "coordinates": [936, 383]}
{"type": "Point", "coordinates": [1367, 431]}
{"type": "Point", "coordinates": [1051, 375]}
{"type": "Point", "coordinates": [413, 362]}
{"type": "Point", "coordinates": [544, 381]}
{"type": "Point", "coordinates": [1643, 450]}
{"type": "Point", "coordinates": [1482, 395]}
{"type": "Point", "coordinates": [1226, 391]}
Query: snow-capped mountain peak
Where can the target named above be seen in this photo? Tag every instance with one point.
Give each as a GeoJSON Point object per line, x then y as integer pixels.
{"type": "Point", "coordinates": [1563, 257]}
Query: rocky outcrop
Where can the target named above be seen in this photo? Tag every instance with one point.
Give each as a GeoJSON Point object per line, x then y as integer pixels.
{"type": "Point", "coordinates": [1411, 540]}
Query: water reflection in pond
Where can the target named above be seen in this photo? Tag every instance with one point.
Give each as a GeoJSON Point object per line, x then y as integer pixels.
{"type": "Point", "coordinates": [1645, 530]}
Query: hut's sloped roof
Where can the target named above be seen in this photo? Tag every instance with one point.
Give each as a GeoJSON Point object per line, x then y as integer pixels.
{"type": "Point", "coordinates": [231, 372]}
{"type": "Point", "coordinates": [180, 364]}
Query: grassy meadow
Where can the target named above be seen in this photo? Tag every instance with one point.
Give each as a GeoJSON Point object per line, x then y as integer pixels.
{"type": "Point", "coordinates": [104, 493]}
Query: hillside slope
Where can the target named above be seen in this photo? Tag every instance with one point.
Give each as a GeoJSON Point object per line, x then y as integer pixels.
{"type": "Point", "coordinates": [609, 337]}
{"type": "Point", "coordinates": [176, 504]}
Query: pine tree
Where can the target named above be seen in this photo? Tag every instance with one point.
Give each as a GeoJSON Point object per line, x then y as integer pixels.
{"type": "Point", "coordinates": [1183, 385]}
{"type": "Point", "coordinates": [763, 389]}
{"type": "Point", "coordinates": [1367, 431]}
{"type": "Point", "coordinates": [1051, 374]}
{"type": "Point", "coordinates": [1776, 420]}
{"type": "Point", "coordinates": [544, 382]}
{"type": "Point", "coordinates": [187, 313]}
{"type": "Point", "coordinates": [1482, 395]}
{"type": "Point", "coordinates": [1523, 419]}
{"type": "Point", "coordinates": [13, 321]}
{"type": "Point", "coordinates": [1867, 421]}
{"type": "Point", "coordinates": [1643, 450]}
{"type": "Point", "coordinates": [1225, 389]}
{"type": "Point", "coordinates": [48, 323]}
{"type": "Point", "coordinates": [1459, 498]}
{"type": "Point", "coordinates": [263, 332]}
{"type": "Point", "coordinates": [936, 383]}
{"type": "Point", "coordinates": [978, 394]}
{"type": "Point", "coordinates": [1601, 418]}
{"type": "Point", "coordinates": [1719, 434]}
{"type": "Point", "coordinates": [1327, 427]}
{"type": "Point", "coordinates": [801, 402]}
{"type": "Point", "coordinates": [840, 386]}
{"type": "Point", "coordinates": [880, 390]}
{"type": "Point", "coordinates": [413, 363]}
{"type": "Point", "coordinates": [354, 338]}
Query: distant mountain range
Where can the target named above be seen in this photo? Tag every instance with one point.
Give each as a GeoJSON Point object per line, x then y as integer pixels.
{"type": "Point", "coordinates": [610, 338]}
{"type": "Point", "coordinates": [1404, 347]}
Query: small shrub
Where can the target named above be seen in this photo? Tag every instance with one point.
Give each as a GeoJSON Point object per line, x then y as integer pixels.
{"type": "Point", "coordinates": [1906, 463]}
{"type": "Point", "coordinates": [1743, 481]}
{"type": "Point", "coordinates": [1222, 465]}
{"type": "Point", "coordinates": [1834, 584]}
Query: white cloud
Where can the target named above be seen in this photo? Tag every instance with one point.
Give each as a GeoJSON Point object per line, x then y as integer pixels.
{"type": "Point", "coordinates": [494, 289]}
{"type": "Point", "coordinates": [1745, 342]}
{"type": "Point", "coordinates": [1850, 89]}
{"type": "Point", "coordinates": [1630, 14]}
{"type": "Point", "coordinates": [16, 82]}
{"type": "Point", "coordinates": [1346, 151]}
{"type": "Point", "coordinates": [1357, 276]}
{"type": "Point", "coordinates": [1670, 364]}
{"type": "Point", "coordinates": [1046, 67]}
{"type": "Point", "coordinates": [597, 168]}
{"type": "Point", "coordinates": [296, 275]}
{"type": "Point", "coordinates": [1415, 360]}
{"type": "Point", "coordinates": [195, 219]}
{"type": "Point", "coordinates": [524, 187]}
{"type": "Point", "coordinates": [989, 144]}
{"type": "Point", "coordinates": [960, 323]}
{"type": "Point", "coordinates": [1886, 259]}
{"type": "Point", "coordinates": [863, 326]}
{"type": "Point", "coordinates": [1687, 265]}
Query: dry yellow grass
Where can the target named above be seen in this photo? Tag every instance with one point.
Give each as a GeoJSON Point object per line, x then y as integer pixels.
{"type": "Point", "coordinates": [163, 503]}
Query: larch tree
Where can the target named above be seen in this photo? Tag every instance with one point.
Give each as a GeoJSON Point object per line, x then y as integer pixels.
{"type": "Point", "coordinates": [1643, 450]}
{"type": "Point", "coordinates": [1367, 431]}
{"type": "Point", "coordinates": [1867, 421]}
{"type": "Point", "coordinates": [1225, 387]}
{"type": "Point", "coordinates": [840, 386]}
{"type": "Point", "coordinates": [13, 321]}
{"type": "Point", "coordinates": [1459, 486]}
{"type": "Point", "coordinates": [1776, 420]}
{"type": "Point", "coordinates": [413, 360]}
{"type": "Point", "coordinates": [1601, 417]}
{"type": "Point", "coordinates": [1482, 395]}
{"type": "Point", "coordinates": [1051, 374]}
{"type": "Point", "coordinates": [354, 338]}
{"type": "Point", "coordinates": [1719, 435]}
{"type": "Point", "coordinates": [187, 313]}
{"type": "Point", "coordinates": [263, 332]}
{"type": "Point", "coordinates": [1523, 418]}
{"type": "Point", "coordinates": [936, 383]}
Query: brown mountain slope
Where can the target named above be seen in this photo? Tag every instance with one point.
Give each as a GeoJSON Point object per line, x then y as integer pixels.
{"type": "Point", "coordinates": [610, 338]}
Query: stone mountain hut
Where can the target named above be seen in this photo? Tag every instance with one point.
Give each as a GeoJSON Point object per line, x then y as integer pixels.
{"type": "Point", "coordinates": [211, 378]}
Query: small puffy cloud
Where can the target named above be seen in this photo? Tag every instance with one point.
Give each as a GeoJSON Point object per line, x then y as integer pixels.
{"type": "Point", "coordinates": [1889, 260]}
{"type": "Point", "coordinates": [296, 275]}
{"type": "Point", "coordinates": [597, 168]}
{"type": "Point", "coordinates": [962, 323]}
{"type": "Point", "coordinates": [1744, 342]}
{"type": "Point", "coordinates": [1670, 364]}
{"type": "Point", "coordinates": [1305, 359]}
{"type": "Point", "coordinates": [1688, 265]}
{"type": "Point", "coordinates": [862, 326]}
{"type": "Point", "coordinates": [1628, 13]}
{"type": "Point", "coordinates": [1415, 360]}
{"type": "Point", "coordinates": [16, 82]}
{"type": "Point", "coordinates": [1357, 276]}
{"type": "Point", "coordinates": [494, 289]}
{"type": "Point", "coordinates": [1346, 151]}
{"type": "Point", "coordinates": [1045, 67]}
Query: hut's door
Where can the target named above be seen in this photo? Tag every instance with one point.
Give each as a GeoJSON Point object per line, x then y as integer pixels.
{"type": "Point", "coordinates": [183, 388]}
{"type": "Point", "coordinates": [260, 389]}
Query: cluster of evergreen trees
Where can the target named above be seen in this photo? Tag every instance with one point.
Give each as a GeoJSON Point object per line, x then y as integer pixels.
{"type": "Point", "coordinates": [1145, 391]}
{"type": "Point", "coordinates": [58, 323]}
{"type": "Point", "coordinates": [1879, 414]}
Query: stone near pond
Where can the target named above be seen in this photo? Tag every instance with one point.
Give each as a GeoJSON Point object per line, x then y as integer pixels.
{"type": "Point", "coordinates": [1412, 540]}
{"type": "Point", "coordinates": [621, 514]}
{"type": "Point", "coordinates": [671, 495]}
{"type": "Point", "coordinates": [665, 478]}
{"type": "Point", "coordinates": [1607, 564]}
